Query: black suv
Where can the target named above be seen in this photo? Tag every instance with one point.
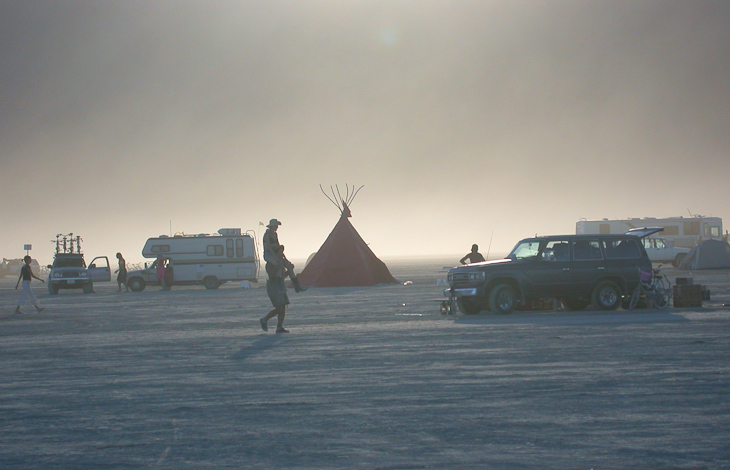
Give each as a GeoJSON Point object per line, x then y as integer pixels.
{"type": "Point", "coordinates": [576, 269]}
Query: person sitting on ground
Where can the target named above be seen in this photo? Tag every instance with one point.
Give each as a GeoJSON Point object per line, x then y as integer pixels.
{"type": "Point", "coordinates": [474, 256]}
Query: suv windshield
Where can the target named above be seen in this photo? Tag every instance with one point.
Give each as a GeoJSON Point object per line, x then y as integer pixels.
{"type": "Point", "coordinates": [69, 263]}
{"type": "Point", "coordinates": [525, 249]}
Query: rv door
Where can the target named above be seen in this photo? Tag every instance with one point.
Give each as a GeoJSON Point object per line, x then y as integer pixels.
{"type": "Point", "coordinates": [644, 231]}
{"type": "Point", "coordinates": [99, 270]}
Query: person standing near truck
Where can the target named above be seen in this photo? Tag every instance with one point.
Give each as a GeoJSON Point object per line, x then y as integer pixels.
{"type": "Point", "coordinates": [473, 256]}
{"type": "Point", "coordinates": [26, 275]}
{"type": "Point", "coordinates": [160, 271]}
{"type": "Point", "coordinates": [122, 273]}
{"type": "Point", "coordinates": [275, 287]}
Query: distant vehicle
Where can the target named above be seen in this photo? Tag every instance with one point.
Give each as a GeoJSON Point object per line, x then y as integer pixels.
{"type": "Point", "coordinates": [661, 250]}
{"type": "Point", "coordinates": [576, 269]}
{"type": "Point", "coordinates": [69, 271]}
{"type": "Point", "coordinates": [11, 267]}
{"type": "Point", "coordinates": [684, 232]}
{"type": "Point", "coordinates": [205, 259]}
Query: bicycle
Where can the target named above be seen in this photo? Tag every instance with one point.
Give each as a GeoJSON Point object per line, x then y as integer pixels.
{"type": "Point", "coordinates": [654, 289]}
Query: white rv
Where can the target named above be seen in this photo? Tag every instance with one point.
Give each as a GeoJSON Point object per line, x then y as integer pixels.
{"type": "Point", "coordinates": [205, 259]}
{"type": "Point", "coordinates": [680, 231]}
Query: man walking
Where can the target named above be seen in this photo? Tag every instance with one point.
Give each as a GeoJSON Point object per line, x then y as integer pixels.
{"type": "Point", "coordinates": [26, 274]}
{"type": "Point", "coordinates": [275, 287]}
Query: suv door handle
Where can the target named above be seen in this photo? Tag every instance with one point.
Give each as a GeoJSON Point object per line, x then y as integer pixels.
{"type": "Point", "coordinates": [566, 269]}
{"type": "Point", "coordinates": [601, 268]}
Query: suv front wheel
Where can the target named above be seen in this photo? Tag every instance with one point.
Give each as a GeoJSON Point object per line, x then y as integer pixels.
{"type": "Point", "coordinates": [503, 299]}
{"type": "Point", "coordinates": [607, 296]}
{"type": "Point", "coordinates": [468, 306]}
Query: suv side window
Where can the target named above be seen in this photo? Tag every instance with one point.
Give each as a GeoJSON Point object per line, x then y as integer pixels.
{"type": "Point", "coordinates": [587, 250]}
{"type": "Point", "coordinates": [556, 250]}
{"type": "Point", "coordinates": [626, 248]}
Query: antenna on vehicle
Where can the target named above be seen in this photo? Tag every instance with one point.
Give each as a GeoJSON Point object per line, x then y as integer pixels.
{"type": "Point", "coordinates": [490, 244]}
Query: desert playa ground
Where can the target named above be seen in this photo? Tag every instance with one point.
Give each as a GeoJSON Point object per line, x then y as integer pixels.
{"type": "Point", "coordinates": [371, 378]}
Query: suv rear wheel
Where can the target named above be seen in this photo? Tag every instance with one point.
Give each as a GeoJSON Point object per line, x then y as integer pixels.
{"type": "Point", "coordinates": [503, 299]}
{"type": "Point", "coordinates": [607, 296]}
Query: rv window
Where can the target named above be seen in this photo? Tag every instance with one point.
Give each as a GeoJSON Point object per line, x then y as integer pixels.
{"type": "Point", "coordinates": [160, 248]}
{"type": "Point", "coordinates": [229, 248]}
{"type": "Point", "coordinates": [671, 230]}
{"type": "Point", "coordinates": [692, 227]}
{"type": "Point", "coordinates": [622, 249]}
{"type": "Point", "coordinates": [714, 231]}
{"type": "Point", "coordinates": [239, 248]}
{"type": "Point", "coordinates": [215, 250]}
{"type": "Point", "coordinates": [604, 229]}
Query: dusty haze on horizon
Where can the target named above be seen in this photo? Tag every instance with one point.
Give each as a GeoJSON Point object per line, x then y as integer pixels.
{"type": "Point", "coordinates": [462, 119]}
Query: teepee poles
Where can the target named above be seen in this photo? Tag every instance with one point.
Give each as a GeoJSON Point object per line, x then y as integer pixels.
{"type": "Point", "coordinates": [341, 202]}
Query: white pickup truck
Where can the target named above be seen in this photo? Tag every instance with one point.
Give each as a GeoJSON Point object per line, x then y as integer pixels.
{"type": "Point", "coordinates": [661, 250]}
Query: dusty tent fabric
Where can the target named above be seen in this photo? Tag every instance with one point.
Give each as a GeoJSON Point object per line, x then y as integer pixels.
{"type": "Point", "coordinates": [345, 260]}
{"type": "Point", "coordinates": [709, 254]}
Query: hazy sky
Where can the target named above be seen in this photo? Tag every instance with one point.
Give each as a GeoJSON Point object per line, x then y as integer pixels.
{"type": "Point", "coordinates": [121, 120]}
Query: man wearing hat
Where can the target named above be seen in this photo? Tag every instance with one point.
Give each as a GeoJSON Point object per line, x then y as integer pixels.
{"type": "Point", "coordinates": [274, 257]}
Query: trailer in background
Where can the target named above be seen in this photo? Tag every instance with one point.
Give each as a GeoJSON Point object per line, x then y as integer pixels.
{"type": "Point", "coordinates": [204, 259]}
{"type": "Point", "coordinates": [680, 231]}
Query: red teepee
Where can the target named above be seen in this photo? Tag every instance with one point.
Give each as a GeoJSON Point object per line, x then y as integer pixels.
{"type": "Point", "coordinates": [344, 258]}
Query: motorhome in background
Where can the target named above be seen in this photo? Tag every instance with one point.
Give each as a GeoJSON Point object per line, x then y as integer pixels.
{"type": "Point", "coordinates": [680, 231]}
{"type": "Point", "coordinates": [204, 259]}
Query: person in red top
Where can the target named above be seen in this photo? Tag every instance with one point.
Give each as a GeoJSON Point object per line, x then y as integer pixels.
{"type": "Point", "coordinates": [26, 275]}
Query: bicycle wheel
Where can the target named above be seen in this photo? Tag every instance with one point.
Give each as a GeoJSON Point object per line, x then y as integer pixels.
{"type": "Point", "coordinates": [661, 298]}
{"type": "Point", "coordinates": [635, 298]}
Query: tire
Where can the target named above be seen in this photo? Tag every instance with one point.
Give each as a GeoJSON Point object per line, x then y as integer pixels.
{"type": "Point", "coordinates": [572, 303]}
{"type": "Point", "coordinates": [136, 284]}
{"type": "Point", "coordinates": [678, 260]}
{"type": "Point", "coordinates": [211, 282]}
{"type": "Point", "coordinates": [503, 299]}
{"type": "Point", "coordinates": [468, 306]}
{"type": "Point", "coordinates": [606, 296]}
{"type": "Point", "coordinates": [661, 298]}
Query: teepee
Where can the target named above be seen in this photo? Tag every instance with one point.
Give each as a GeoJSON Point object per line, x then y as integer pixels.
{"type": "Point", "coordinates": [344, 259]}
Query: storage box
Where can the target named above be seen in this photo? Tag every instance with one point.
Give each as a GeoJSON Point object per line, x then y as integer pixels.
{"type": "Point", "coordinates": [688, 295]}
